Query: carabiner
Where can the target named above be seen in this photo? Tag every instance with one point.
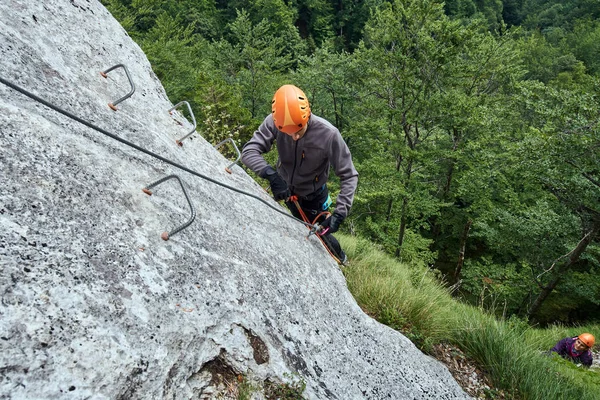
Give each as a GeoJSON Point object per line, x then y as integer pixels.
{"type": "Point", "coordinates": [315, 230]}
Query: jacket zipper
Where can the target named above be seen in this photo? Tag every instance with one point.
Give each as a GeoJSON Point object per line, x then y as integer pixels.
{"type": "Point", "coordinates": [295, 160]}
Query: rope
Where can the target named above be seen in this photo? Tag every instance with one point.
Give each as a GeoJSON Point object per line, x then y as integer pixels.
{"type": "Point", "coordinates": [141, 149]}
{"type": "Point", "coordinates": [294, 199]}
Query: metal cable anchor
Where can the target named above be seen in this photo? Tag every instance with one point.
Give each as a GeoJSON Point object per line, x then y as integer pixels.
{"type": "Point", "coordinates": [179, 142]}
{"type": "Point", "coordinates": [228, 168]}
{"type": "Point", "coordinates": [316, 228]}
{"type": "Point", "coordinates": [167, 235]}
{"type": "Point", "coordinates": [104, 74]}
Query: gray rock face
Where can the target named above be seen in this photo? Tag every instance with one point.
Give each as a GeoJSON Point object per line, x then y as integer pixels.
{"type": "Point", "coordinates": [95, 305]}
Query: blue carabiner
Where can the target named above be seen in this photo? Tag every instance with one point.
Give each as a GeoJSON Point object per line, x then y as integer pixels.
{"type": "Point", "coordinates": [327, 203]}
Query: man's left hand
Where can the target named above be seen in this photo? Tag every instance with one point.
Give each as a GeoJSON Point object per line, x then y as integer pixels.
{"type": "Point", "coordinates": [332, 223]}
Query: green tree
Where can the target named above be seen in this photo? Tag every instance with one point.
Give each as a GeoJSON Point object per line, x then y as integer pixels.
{"type": "Point", "coordinates": [460, 8]}
{"type": "Point", "coordinates": [140, 16]}
{"type": "Point", "coordinates": [512, 12]}
{"type": "Point", "coordinates": [256, 58]}
{"type": "Point", "coordinates": [276, 14]}
{"type": "Point", "coordinates": [330, 80]}
{"type": "Point", "coordinates": [350, 19]}
{"type": "Point", "coordinates": [544, 14]}
{"type": "Point", "coordinates": [474, 107]}
{"type": "Point", "coordinates": [315, 18]}
{"type": "Point", "coordinates": [561, 152]}
{"type": "Point", "coordinates": [407, 47]}
{"type": "Point", "coordinates": [541, 215]}
{"type": "Point", "coordinates": [487, 10]}
{"type": "Point", "coordinates": [584, 41]}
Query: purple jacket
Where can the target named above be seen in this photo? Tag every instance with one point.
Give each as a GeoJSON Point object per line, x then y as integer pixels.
{"type": "Point", "coordinates": [304, 164]}
{"type": "Point", "coordinates": [565, 349]}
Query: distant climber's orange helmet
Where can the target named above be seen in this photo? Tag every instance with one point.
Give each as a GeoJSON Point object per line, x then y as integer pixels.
{"type": "Point", "coordinates": [588, 339]}
{"type": "Point", "coordinates": [290, 109]}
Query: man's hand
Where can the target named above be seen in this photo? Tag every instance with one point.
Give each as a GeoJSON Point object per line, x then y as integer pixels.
{"type": "Point", "coordinates": [279, 187]}
{"type": "Point", "coordinates": [332, 223]}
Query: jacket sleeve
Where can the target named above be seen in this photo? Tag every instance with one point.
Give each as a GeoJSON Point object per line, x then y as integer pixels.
{"type": "Point", "coordinates": [341, 159]}
{"type": "Point", "coordinates": [586, 358]}
{"type": "Point", "coordinates": [560, 347]}
{"type": "Point", "coordinates": [260, 143]}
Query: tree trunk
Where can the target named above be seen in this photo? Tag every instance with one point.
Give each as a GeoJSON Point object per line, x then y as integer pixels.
{"type": "Point", "coordinates": [456, 136]}
{"type": "Point", "coordinates": [449, 176]}
{"type": "Point", "coordinates": [335, 110]}
{"type": "Point", "coordinates": [461, 253]}
{"type": "Point", "coordinates": [403, 218]}
{"type": "Point", "coordinates": [573, 258]}
{"type": "Point", "coordinates": [436, 228]}
{"type": "Point", "coordinates": [546, 290]}
{"type": "Point", "coordinates": [402, 226]}
{"type": "Point", "coordinates": [388, 214]}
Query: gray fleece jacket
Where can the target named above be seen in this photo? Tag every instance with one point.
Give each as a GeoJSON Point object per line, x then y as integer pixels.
{"type": "Point", "coordinates": [304, 164]}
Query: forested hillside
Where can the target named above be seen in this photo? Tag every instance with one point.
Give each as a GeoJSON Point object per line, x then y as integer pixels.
{"type": "Point", "coordinates": [474, 124]}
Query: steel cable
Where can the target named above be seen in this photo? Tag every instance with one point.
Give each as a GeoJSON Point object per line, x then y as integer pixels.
{"type": "Point", "coordinates": [143, 150]}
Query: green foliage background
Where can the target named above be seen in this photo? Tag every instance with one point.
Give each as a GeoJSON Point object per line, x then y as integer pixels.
{"type": "Point", "coordinates": [474, 124]}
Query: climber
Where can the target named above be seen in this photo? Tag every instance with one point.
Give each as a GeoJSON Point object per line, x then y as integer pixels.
{"type": "Point", "coordinates": [307, 145]}
{"type": "Point", "coordinates": [576, 349]}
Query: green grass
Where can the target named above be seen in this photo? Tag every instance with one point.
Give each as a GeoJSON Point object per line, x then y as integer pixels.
{"type": "Point", "coordinates": [410, 299]}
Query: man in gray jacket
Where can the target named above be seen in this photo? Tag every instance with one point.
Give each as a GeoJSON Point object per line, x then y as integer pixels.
{"type": "Point", "coordinates": [308, 146]}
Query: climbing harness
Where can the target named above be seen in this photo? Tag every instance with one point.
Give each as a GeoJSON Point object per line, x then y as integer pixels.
{"type": "Point", "coordinates": [316, 228]}
{"type": "Point", "coordinates": [143, 150]}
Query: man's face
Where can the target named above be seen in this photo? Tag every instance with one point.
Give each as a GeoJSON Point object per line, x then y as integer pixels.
{"type": "Point", "coordinates": [297, 135]}
{"type": "Point", "coordinates": [579, 345]}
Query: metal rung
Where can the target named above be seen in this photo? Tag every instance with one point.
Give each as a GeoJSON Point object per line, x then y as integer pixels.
{"type": "Point", "coordinates": [228, 168]}
{"type": "Point", "coordinates": [113, 105]}
{"type": "Point", "coordinates": [179, 142]}
{"type": "Point", "coordinates": [167, 235]}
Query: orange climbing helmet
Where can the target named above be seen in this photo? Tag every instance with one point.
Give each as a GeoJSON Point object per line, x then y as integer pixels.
{"type": "Point", "coordinates": [588, 339]}
{"type": "Point", "coordinates": [290, 109]}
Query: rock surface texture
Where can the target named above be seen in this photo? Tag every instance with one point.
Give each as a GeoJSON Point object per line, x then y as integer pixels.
{"type": "Point", "coordinates": [95, 305]}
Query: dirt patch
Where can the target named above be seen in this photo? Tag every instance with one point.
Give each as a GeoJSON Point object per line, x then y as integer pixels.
{"type": "Point", "coordinates": [467, 373]}
{"type": "Point", "coordinates": [224, 380]}
{"type": "Point", "coordinates": [259, 348]}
